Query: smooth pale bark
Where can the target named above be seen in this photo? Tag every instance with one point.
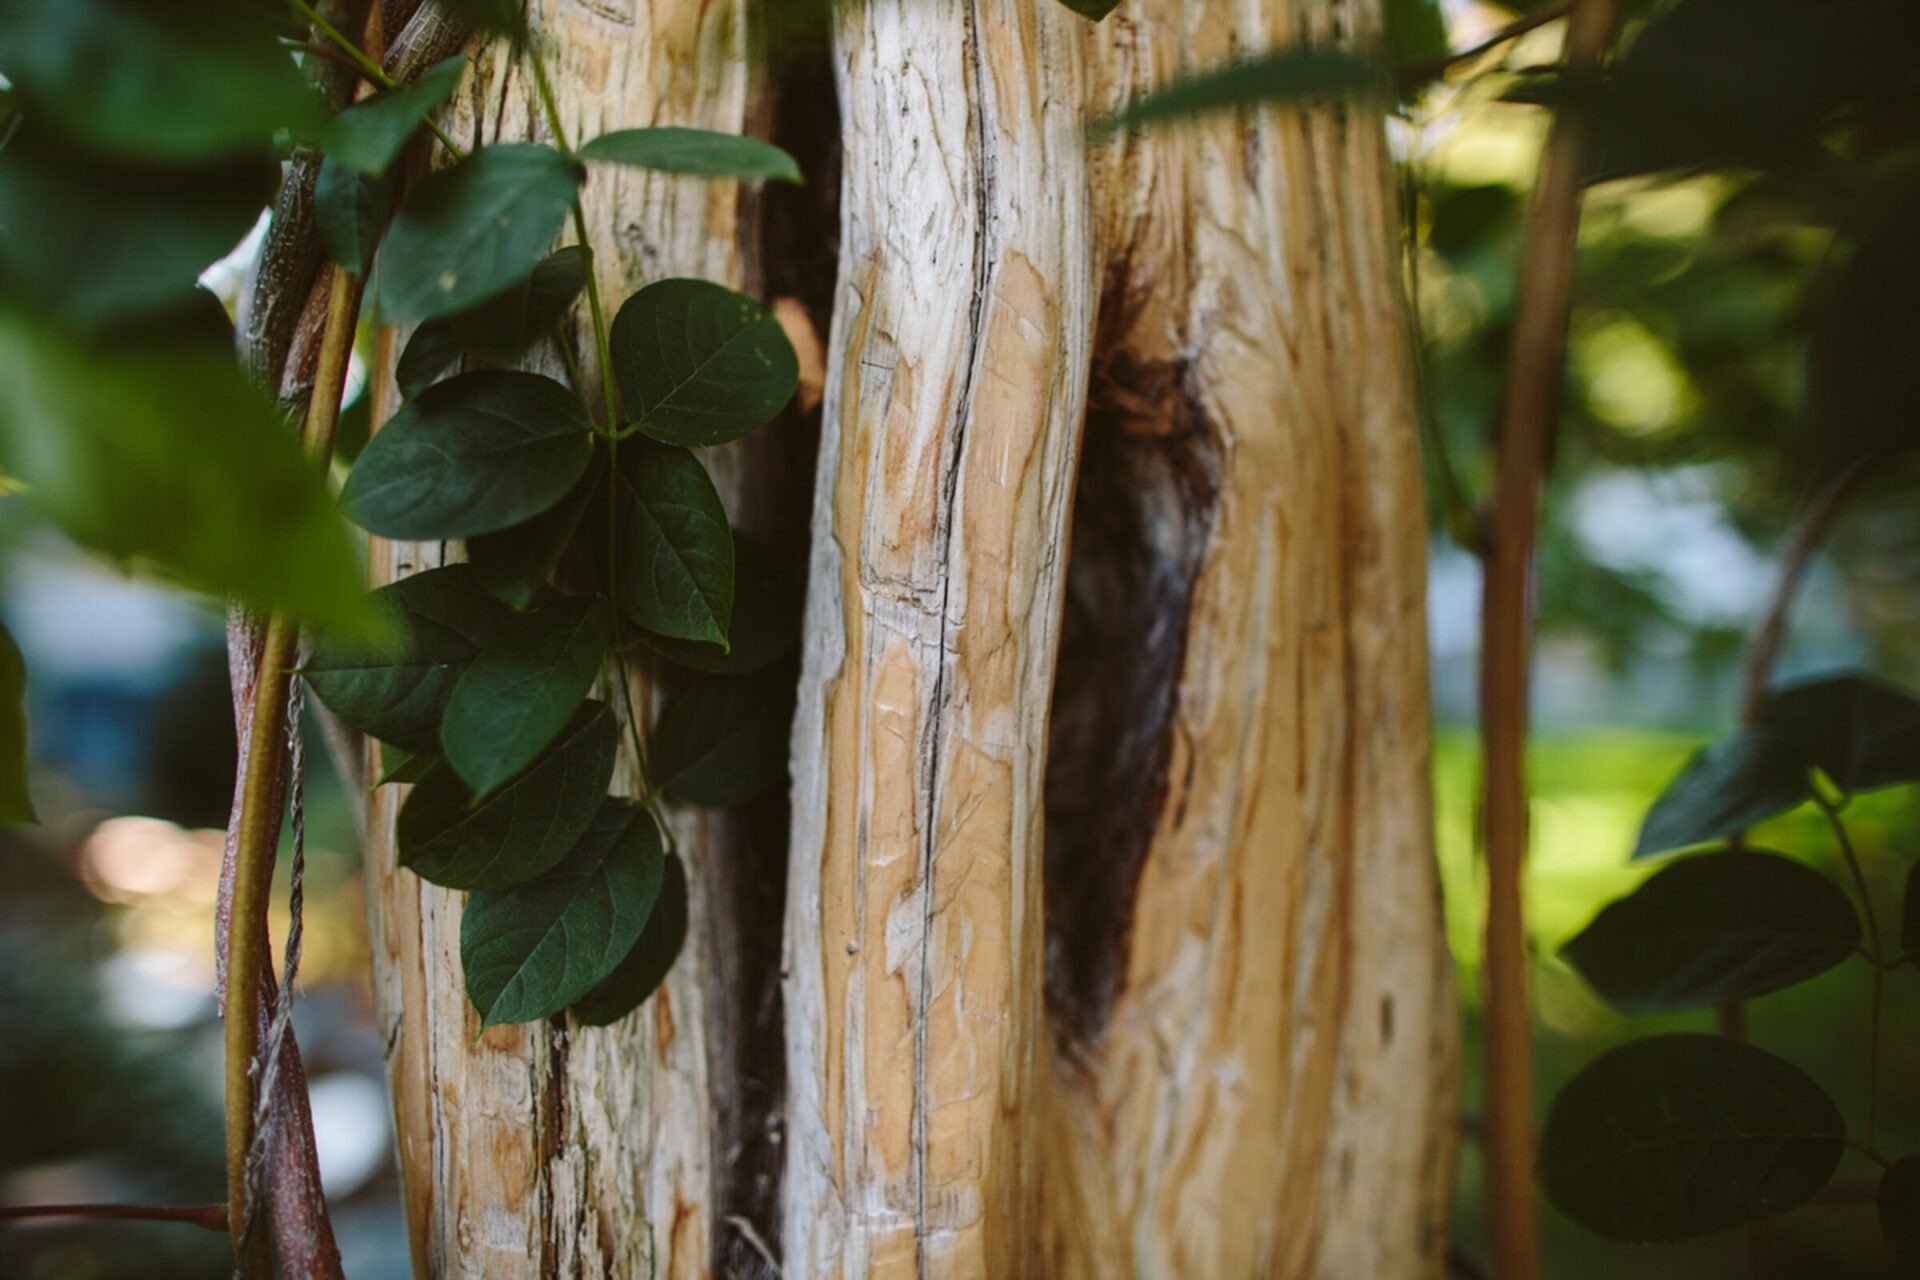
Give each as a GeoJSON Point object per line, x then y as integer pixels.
{"type": "Point", "coordinates": [540, 1151]}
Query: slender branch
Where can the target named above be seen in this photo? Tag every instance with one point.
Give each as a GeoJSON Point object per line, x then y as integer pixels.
{"type": "Point", "coordinates": [1535, 369]}
{"type": "Point", "coordinates": [258, 825]}
{"type": "Point", "coordinates": [368, 67]}
{"type": "Point", "coordinates": [1416, 73]}
{"type": "Point", "coordinates": [1764, 647]}
{"type": "Point", "coordinates": [208, 1217]}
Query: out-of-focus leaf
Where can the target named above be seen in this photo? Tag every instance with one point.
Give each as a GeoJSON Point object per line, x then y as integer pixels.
{"type": "Point", "coordinates": [1416, 31]}
{"type": "Point", "coordinates": [531, 951]}
{"type": "Point", "coordinates": [699, 364]}
{"type": "Point", "coordinates": [1899, 1204]}
{"type": "Point", "coordinates": [96, 241]}
{"type": "Point", "coordinates": [1719, 927]}
{"type": "Point", "coordinates": [695, 151]}
{"type": "Point", "coordinates": [477, 453]}
{"type": "Point", "coordinates": [1682, 1135]}
{"type": "Point", "coordinates": [1910, 917]}
{"type": "Point", "coordinates": [156, 79]}
{"type": "Point", "coordinates": [169, 461]}
{"type": "Point", "coordinates": [1861, 732]}
{"type": "Point", "coordinates": [648, 964]}
{"type": "Point", "coordinates": [16, 806]}
{"type": "Point", "coordinates": [1726, 788]}
{"type": "Point", "coordinates": [471, 230]}
{"type": "Point", "coordinates": [489, 17]}
{"type": "Point", "coordinates": [368, 135]}
{"type": "Point", "coordinates": [1092, 9]}
{"type": "Point", "coordinates": [1292, 77]}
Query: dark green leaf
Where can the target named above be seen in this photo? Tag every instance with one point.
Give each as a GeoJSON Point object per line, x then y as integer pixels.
{"type": "Point", "coordinates": [401, 766]}
{"type": "Point", "coordinates": [722, 741]}
{"type": "Point", "coordinates": [1861, 732]}
{"type": "Point", "coordinates": [516, 563]}
{"type": "Point", "coordinates": [1899, 1204]}
{"type": "Point", "coordinates": [96, 241]}
{"type": "Point", "coordinates": [522, 688]}
{"type": "Point", "coordinates": [156, 79]}
{"type": "Point", "coordinates": [1416, 31]}
{"type": "Point", "coordinates": [503, 327]}
{"type": "Point", "coordinates": [676, 551]}
{"type": "Point", "coordinates": [430, 352]}
{"type": "Point", "coordinates": [1293, 77]}
{"type": "Point", "coordinates": [1725, 789]}
{"type": "Point", "coordinates": [395, 688]}
{"type": "Point", "coordinates": [471, 230]}
{"type": "Point", "coordinates": [647, 965]}
{"type": "Point", "coordinates": [477, 453]}
{"type": "Point", "coordinates": [1681, 1135]}
{"type": "Point", "coordinates": [766, 617]}
{"type": "Point", "coordinates": [696, 151]}
{"type": "Point", "coordinates": [523, 829]}
{"type": "Point", "coordinates": [350, 211]}
{"type": "Point", "coordinates": [1719, 927]}
{"type": "Point", "coordinates": [530, 952]}
{"type": "Point", "coordinates": [1094, 9]}
{"type": "Point", "coordinates": [699, 364]}
{"type": "Point", "coordinates": [16, 806]}
{"type": "Point", "coordinates": [368, 135]}
{"type": "Point", "coordinates": [169, 461]}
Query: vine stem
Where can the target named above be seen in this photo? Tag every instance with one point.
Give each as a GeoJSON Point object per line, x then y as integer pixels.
{"type": "Point", "coordinates": [259, 821]}
{"type": "Point", "coordinates": [1535, 368]}
{"type": "Point", "coordinates": [368, 67]}
{"type": "Point", "coordinates": [208, 1217]}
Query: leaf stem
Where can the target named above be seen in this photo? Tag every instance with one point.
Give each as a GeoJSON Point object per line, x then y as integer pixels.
{"type": "Point", "coordinates": [259, 821]}
{"type": "Point", "coordinates": [208, 1217]}
{"type": "Point", "coordinates": [1875, 956]}
{"type": "Point", "coordinates": [374, 71]}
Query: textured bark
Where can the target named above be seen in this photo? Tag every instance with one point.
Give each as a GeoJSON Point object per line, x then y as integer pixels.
{"type": "Point", "coordinates": [544, 1151]}
{"type": "Point", "coordinates": [1112, 942]}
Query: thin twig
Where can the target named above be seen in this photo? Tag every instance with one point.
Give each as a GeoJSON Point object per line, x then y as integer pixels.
{"type": "Point", "coordinates": [1417, 73]}
{"type": "Point", "coordinates": [208, 1217]}
{"type": "Point", "coordinates": [1535, 369]}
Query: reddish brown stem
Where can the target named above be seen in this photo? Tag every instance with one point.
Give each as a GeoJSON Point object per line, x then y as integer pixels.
{"type": "Point", "coordinates": [209, 1217]}
{"type": "Point", "coordinates": [1535, 369]}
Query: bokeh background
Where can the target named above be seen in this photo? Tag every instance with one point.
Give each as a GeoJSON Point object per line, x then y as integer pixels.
{"type": "Point", "coordinates": [1676, 481]}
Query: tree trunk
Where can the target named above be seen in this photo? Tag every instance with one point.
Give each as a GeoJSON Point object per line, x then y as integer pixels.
{"type": "Point", "coordinates": [1111, 931]}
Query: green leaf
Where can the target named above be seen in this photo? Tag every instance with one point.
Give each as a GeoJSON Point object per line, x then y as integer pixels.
{"type": "Point", "coordinates": [430, 352]}
{"type": "Point", "coordinates": [16, 806]}
{"type": "Point", "coordinates": [401, 766]}
{"type": "Point", "coordinates": [647, 965]}
{"type": "Point", "coordinates": [700, 365]}
{"type": "Point", "coordinates": [1719, 927]}
{"type": "Point", "coordinates": [516, 563]}
{"type": "Point", "coordinates": [370, 134]}
{"type": "Point", "coordinates": [1724, 789]}
{"type": "Point", "coordinates": [767, 605]}
{"type": "Point", "coordinates": [1861, 732]}
{"type": "Point", "coordinates": [522, 688]}
{"type": "Point", "coordinates": [350, 211]}
{"type": "Point", "coordinates": [530, 952]}
{"type": "Point", "coordinates": [676, 551]}
{"type": "Point", "coordinates": [522, 830]}
{"type": "Point", "coordinates": [696, 151]}
{"type": "Point", "coordinates": [167, 460]}
{"type": "Point", "coordinates": [156, 79]}
{"type": "Point", "coordinates": [1292, 76]}
{"type": "Point", "coordinates": [96, 241]}
{"type": "Point", "coordinates": [1681, 1135]}
{"type": "Point", "coordinates": [396, 686]}
{"type": "Point", "coordinates": [1094, 9]}
{"type": "Point", "coordinates": [722, 741]}
{"type": "Point", "coordinates": [502, 328]}
{"type": "Point", "coordinates": [1416, 31]}
{"type": "Point", "coordinates": [1899, 1205]}
{"type": "Point", "coordinates": [477, 453]}
{"type": "Point", "coordinates": [471, 230]}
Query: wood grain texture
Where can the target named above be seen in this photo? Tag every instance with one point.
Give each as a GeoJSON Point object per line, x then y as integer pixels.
{"type": "Point", "coordinates": [1272, 1088]}
{"type": "Point", "coordinates": [537, 1151]}
{"type": "Point", "coordinates": [957, 366]}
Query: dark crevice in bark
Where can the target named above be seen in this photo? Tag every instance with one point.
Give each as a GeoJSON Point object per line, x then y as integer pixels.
{"type": "Point", "coordinates": [549, 1136]}
{"type": "Point", "coordinates": [1144, 505]}
{"type": "Point", "coordinates": [791, 252]}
